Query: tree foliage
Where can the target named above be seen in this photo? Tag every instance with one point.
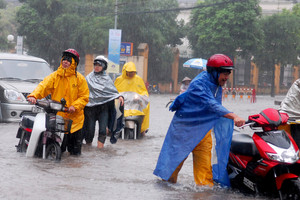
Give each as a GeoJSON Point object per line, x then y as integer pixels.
{"type": "Point", "coordinates": [281, 40]}
{"type": "Point", "coordinates": [160, 30]}
{"type": "Point", "coordinates": [2, 4]}
{"type": "Point", "coordinates": [224, 27]}
{"type": "Point", "coordinates": [53, 25]}
{"type": "Point", "coordinates": [7, 25]}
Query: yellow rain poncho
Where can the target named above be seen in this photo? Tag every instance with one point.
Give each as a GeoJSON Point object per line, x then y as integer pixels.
{"type": "Point", "coordinates": [67, 84]}
{"type": "Point", "coordinates": [135, 84]}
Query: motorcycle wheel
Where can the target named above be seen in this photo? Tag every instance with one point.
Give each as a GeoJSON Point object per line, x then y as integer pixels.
{"type": "Point", "coordinates": [22, 146]}
{"type": "Point", "coordinates": [291, 189]}
{"type": "Point", "coordinates": [53, 152]}
{"type": "Point", "coordinates": [129, 133]}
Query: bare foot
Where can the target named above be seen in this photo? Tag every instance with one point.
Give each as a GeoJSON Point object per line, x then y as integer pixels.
{"type": "Point", "coordinates": [100, 145]}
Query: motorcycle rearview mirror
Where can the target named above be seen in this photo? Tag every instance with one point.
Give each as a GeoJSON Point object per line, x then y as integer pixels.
{"type": "Point", "coordinates": [63, 102]}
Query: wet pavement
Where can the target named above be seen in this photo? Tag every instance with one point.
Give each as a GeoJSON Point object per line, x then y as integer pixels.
{"type": "Point", "coordinates": [119, 171]}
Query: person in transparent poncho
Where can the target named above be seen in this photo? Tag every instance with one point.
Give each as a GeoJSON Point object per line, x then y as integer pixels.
{"type": "Point", "coordinates": [101, 103]}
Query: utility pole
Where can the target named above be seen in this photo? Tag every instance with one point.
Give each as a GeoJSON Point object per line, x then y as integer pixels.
{"type": "Point", "coordinates": [116, 13]}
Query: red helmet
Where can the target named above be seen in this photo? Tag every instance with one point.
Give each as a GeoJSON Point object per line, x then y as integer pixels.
{"type": "Point", "coordinates": [220, 61]}
{"type": "Point", "coordinates": [73, 53]}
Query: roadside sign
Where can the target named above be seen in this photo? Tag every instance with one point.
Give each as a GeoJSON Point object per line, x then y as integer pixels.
{"type": "Point", "coordinates": [114, 46]}
{"type": "Point", "coordinates": [126, 48]}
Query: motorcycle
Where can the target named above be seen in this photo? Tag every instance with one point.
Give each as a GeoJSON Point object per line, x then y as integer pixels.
{"type": "Point", "coordinates": [154, 89]}
{"type": "Point", "coordinates": [41, 135]}
{"type": "Point", "coordinates": [268, 162]}
{"type": "Point", "coordinates": [133, 107]}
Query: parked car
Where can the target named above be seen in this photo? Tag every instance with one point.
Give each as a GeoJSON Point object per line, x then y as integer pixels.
{"type": "Point", "coordinates": [19, 76]}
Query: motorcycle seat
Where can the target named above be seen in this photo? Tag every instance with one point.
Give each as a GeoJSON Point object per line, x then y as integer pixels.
{"type": "Point", "coordinates": [243, 144]}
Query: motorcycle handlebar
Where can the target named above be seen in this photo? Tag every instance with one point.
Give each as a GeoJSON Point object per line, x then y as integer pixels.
{"type": "Point", "coordinates": [46, 104]}
{"type": "Point", "coordinates": [247, 123]}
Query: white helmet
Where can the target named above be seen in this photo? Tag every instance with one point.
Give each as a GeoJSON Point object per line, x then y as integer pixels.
{"type": "Point", "coordinates": [101, 60]}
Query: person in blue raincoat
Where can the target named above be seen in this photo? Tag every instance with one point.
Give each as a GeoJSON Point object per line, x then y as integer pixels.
{"type": "Point", "coordinates": [198, 110]}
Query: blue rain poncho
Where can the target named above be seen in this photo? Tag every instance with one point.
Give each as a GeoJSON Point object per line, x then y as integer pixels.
{"type": "Point", "coordinates": [197, 111]}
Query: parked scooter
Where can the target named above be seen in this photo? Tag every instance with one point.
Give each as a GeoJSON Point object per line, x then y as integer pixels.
{"type": "Point", "coordinates": [154, 89]}
{"type": "Point", "coordinates": [42, 135]}
{"type": "Point", "coordinates": [268, 162]}
{"type": "Point", "coordinates": [134, 105]}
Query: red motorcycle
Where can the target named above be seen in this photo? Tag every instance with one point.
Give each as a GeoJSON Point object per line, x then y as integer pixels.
{"type": "Point", "coordinates": [268, 162]}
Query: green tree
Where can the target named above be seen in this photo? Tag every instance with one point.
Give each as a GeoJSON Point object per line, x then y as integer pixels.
{"type": "Point", "coordinates": [224, 27]}
{"type": "Point", "coordinates": [51, 26]}
{"type": "Point", "coordinates": [160, 30]}
{"type": "Point", "coordinates": [7, 25]}
{"type": "Point", "coordinates": [2, 4]}
{"type": "Point", "coordinates": [281, 42]}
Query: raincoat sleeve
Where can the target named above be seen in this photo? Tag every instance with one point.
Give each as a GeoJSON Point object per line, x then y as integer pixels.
{"type": "Point", "coordinates": [205, 96]}
{"type": "Point", "coordinates": [44, 88]}
{"type": "Point", "coordinates": [83, 94]}
{"type": "Point", "coordinates": [177, 102]}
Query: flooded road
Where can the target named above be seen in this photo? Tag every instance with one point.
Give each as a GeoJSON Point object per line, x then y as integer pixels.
{"type": "Point", "coordinates": [120, 171]}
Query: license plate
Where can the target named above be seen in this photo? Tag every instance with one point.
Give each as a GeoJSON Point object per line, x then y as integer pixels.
{"type": "Point", "coordinates": [36, 109]}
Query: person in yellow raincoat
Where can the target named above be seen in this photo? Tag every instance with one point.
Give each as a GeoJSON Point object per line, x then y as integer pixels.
{"type": "Point", "coordinates": [69, 84]}
{"type": "Point", "coordinates": [129, 81]}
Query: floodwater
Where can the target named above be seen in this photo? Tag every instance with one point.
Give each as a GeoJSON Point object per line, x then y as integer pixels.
{"type": "Point", "coordinates": [120, 171]}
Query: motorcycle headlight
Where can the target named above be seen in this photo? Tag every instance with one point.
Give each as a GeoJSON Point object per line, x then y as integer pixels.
{"type": "Point", "coordinates": [284, 155]}
{"type": "Point", "coordinates": [56, 106]}
{"type": "Point", "coordinates": [13, 95]}
{"type": "Point", "coordinates": [274, 156]}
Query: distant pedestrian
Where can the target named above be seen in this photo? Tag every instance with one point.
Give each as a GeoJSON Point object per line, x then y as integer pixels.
{"type": "Point", "coordinates": [185, 84]}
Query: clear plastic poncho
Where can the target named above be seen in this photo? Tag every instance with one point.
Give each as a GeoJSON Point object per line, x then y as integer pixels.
{"type": "Point", "coordinates": [291, 102]}
{"type": "Point", "coordinates": [102, 89]}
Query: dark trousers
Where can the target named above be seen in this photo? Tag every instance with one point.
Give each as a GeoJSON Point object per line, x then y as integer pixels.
{"type": "Point", "coordinates": [98, 113]}
{"type": "Point", "coordinates": [72, 142]}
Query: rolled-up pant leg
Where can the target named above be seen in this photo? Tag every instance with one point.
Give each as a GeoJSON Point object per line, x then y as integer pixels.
{"type": "Point", "coordinates": [202, 161]}
{"type": "Point", "coordinates": [103, 121]}
{"type": "Point", "coordinates": [173, 178]}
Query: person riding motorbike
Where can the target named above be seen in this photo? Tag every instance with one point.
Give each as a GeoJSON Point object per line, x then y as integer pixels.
{"type": "Point", "coordinates": [198, 110]}
{"type": "Point", "coordinates": [129, 81]}
{"type": "Point", "coordinates": [101, 102]}
{"type": "Point", "coordinates": [69, 84]}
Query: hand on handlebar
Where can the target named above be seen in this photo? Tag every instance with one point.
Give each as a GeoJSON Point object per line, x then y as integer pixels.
{"type": "Point", "coordinates": [71, 109]}
{"type": "Point", "coordinates": [238, 121]}
{"type": "Point", "coordinates": [31, 100]}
